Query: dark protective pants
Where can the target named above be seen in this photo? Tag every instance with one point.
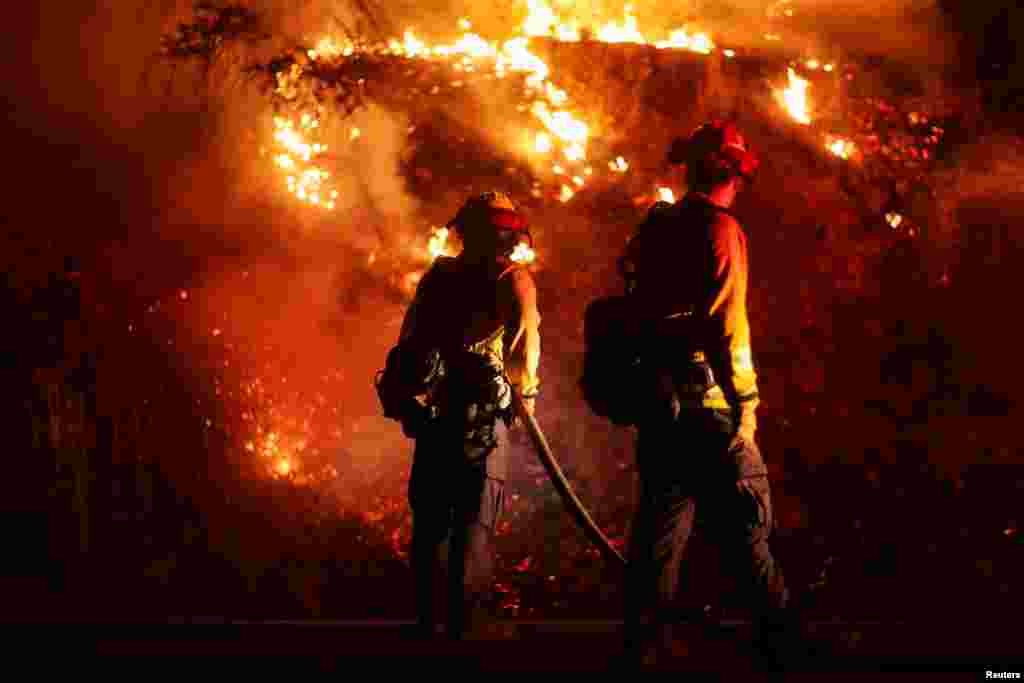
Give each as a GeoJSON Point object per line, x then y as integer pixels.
{"type": "Point", "coordinates": [689, 468]}
{"type": "Point", "coordinates": [460, 503]}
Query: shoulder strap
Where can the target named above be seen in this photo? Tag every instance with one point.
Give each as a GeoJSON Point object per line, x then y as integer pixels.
{"type": "Point", "coordinates": [710, 205]}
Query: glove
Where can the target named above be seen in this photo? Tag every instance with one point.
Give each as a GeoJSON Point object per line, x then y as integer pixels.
{"type": "Point", "coordinates": [512, 418]}
{"type": "Point", "coordinates": [530, 404]}
{"type": "Point", "coordinates": [748, 425]}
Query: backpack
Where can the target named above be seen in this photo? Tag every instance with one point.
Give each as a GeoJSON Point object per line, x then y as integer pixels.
{"type": "Point", "coordinates": [612, 378]}
{"type": "Point", "coordinates": [464, 384]}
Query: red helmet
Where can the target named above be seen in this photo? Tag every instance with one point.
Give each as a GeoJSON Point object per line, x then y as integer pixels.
{"type": "Point", "coordinates": [493, 221]}
{"type": "Point", "coordinates": [719, 142]}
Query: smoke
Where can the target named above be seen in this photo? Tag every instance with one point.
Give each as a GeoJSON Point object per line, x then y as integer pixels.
{"type": "Point", "coordinates": [279, 313]}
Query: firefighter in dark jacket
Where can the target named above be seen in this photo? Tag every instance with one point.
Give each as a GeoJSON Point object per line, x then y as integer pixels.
{"type": "Point", "coordinates": [697, 455]}
{"type": "Point", "coordinates": [475, 317]}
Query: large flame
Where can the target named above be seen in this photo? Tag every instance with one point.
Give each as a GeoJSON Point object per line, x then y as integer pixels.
{"type": "Point", "coordinates": [563, 136]}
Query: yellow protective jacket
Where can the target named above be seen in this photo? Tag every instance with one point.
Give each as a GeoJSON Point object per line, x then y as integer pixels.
{"type": "Point", "coordinates": [691, 273]}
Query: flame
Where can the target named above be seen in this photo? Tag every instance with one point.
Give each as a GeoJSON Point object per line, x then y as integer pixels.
{"type": "Point", "coordinates": [561, 126]}
{"type": "Point", "coordinates": [681, 40]}
{"type": "Point", "coordinates": [541, 20]}
{"type": "Point", "coordinates": [626, 32]}
{"type": "Point", "coordinates": [543, 143]}
{"type": "Point", "coordinates": [564, 135]}
{"type": "Point", "coordinates": [666, 195]}
{"type": "Point", "coordinates": [893, 219]}
{"type": "Point", "coordinates": [619, 165]}
{"type": "Point", "coordinates": [523, 254]}
{"type": "Point", "coordinates": [794, 98]}
{"type": "Point", "coordinates": [437, 244]}
{"type": "Point", "coordinates": [841, 147]}
{"type": "Point", "coordinates": [564, 125]}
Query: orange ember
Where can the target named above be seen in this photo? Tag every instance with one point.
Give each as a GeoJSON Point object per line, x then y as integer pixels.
{"type": "Point", "coordinates": [841, 147]}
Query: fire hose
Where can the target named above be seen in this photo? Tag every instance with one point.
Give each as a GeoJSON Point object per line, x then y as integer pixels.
{"type": "Point", "coordinates": [569, 498]}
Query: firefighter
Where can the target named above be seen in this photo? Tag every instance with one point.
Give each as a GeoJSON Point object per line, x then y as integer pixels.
{"type": "Point", "coordinates": [470, 336]}
{"type": "Point", "coordinates": [696, 420]}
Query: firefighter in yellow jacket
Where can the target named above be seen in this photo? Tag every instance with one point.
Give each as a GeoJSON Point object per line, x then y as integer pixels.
{"type": "Point", "coordinates": [472, 329]}
{"type": "Point", "coordinates": [697, 454]}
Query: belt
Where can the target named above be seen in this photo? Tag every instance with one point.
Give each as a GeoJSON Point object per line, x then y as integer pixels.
{"type": "Point", "coordinates": [693, 378]}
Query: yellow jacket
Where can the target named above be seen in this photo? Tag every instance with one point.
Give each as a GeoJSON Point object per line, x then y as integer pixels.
{"type": "Point", "coordinates": [690, 262]}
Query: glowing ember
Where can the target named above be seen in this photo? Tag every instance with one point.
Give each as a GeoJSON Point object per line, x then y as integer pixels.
{"type": "Point", "coordinates": [298, 155]}
{"type": "Point", "coordinates": [619, 165]}
{"type": "Point", "coordinates": [813, 64]}
{"type": "Point", "coordinates": [523, 254]}
{"type": "Point", "coordinates": [794, 98]}
{"type": "Point", "coordinates": [328, 49]}
{"type": "Point", "coordinates": [893, 219]}
{"type": "Point", "coordinates": [729, 53]}
{"type": "Point", "coordinates": [841, 147]}
{"type": "Point", "coordinates": [666, 195]}
{"type": "Point", "coordinates": [566, 194]}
